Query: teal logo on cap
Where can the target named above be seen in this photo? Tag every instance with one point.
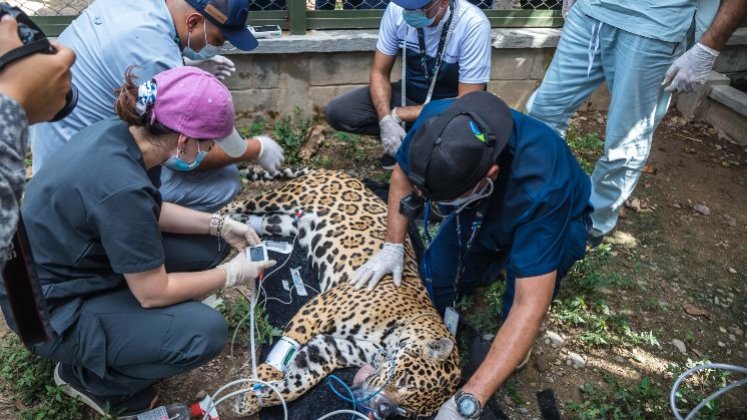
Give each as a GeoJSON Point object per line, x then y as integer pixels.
{"type": "Point", "coordinates": [476, 131]}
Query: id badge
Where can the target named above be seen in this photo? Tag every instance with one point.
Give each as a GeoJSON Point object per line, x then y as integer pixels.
{"type": "Point", "coordinates": [451, 319]}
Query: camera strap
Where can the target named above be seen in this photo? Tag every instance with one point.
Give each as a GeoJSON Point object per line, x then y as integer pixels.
{"type": "Point", "coordinates": [40, 46]}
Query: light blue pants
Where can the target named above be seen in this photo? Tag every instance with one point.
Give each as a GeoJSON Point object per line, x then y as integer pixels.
{"type": "Point", "coordinates": [200, 190]}
{"type": "Point", "coordinates": [633, 66]}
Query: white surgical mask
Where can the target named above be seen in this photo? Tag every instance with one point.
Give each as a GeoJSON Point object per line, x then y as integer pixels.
{"type": "Point", "coordinates": [206, 52]}
{"type": "Point", "coordinates": [460, 203]}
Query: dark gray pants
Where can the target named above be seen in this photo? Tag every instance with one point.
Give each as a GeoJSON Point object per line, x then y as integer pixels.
{"type": "Point", "coordinates": [354, 111]}
{"type": "Point", "coordinates": [118, 348]}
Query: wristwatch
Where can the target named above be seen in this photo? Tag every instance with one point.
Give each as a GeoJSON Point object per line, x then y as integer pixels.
{"type": "Point", "coordinates": [467, 405]}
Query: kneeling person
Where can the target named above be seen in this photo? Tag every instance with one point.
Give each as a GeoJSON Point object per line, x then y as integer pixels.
{"type": "Point", "coordinates": [512, 197]}
{"type": "Point", "coordinates": [119, 268]}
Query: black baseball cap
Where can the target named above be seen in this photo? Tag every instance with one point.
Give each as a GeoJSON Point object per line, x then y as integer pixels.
{"type": "Point", "coordinates": [230, 17]}
{"type": "Point", "coordinates": [451, 152]}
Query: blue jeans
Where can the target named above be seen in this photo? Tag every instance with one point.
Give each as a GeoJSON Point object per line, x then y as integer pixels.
{"type": "Point", "coordinates": [633, 66]}
{"type": "Point", "coordinates": [200, 190]}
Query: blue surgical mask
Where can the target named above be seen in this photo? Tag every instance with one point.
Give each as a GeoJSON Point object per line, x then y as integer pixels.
{"type": "Point", "coordinates": [206, 52]}
{"type": "Point", "coordinates": [175, 163]}
{"type": "Point", "coordinates": [418, 18]}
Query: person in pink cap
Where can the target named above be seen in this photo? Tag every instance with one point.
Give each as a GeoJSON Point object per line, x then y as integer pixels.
{"type": "Point", "coordinates": [119, 268]}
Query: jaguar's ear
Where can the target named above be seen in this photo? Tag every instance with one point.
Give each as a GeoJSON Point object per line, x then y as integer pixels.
{"type": "Point", "coordinates": [439, 349]}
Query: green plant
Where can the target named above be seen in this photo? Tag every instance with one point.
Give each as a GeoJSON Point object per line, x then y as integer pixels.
{"type": "Point", "coordinates": [28, 378]}
{"type": "Point", "coordinates": [353, 147]}
{"type": "Point", "coordinates": [697, 388]}
{"type": "Point", "coordinates": [235, 312]}
{"type": "Point", "coordinates": [587, 148]}
{"type": "Point", "coordinates": [290, 132]}
{"type": "Point", "coordinates": [486, 316]}
{"type": "Point", "coordinates": [617, 400]}
{"type": "Point", "coordinates": [256, 128]}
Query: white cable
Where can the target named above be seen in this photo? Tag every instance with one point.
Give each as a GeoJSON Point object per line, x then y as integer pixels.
{"type": "Point", "coordinates": [684, 375]}
{"type": "Point", "coordinates": [334, 413]}
{"type": "Point", "coordinates": [252, 349]}
{"type": "Point", "coordinates": [214, 404]}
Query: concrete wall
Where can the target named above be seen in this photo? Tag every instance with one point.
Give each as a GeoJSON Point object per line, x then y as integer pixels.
{"type": "Point", "coordinates": [307, 71]}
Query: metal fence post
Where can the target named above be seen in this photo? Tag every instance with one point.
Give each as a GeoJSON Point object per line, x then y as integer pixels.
{"type": "Point", "coordinates": [297, 17]}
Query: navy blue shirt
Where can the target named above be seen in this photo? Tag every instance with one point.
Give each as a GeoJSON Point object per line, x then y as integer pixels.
{"type": "Point", "coordinates": [540, 189]}
{"type": "Point", "coordinates": [91, 214]}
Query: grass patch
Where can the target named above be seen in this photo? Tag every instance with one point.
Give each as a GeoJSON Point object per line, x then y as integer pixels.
{"type": "Point", "coordinates": [236, 309]}
{"type": "Point", "coordinates": [586, 148]}
{"type": "Point", "coordinates": [698, 387]}
{"type": "Point", "coordinates": [618, 400]}
{"type": "Point", "coordinates": [28, 379]}
{"type": "Point", "coordinates": [352, 147]}
{"type": "Point", "coordinates": [580, 304]}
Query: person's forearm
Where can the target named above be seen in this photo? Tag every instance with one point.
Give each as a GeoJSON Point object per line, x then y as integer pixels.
{"type": "Point", "coordinates": [177, 219]}
{"type": "Point", "coordinates": [409, 113]}
{"type": "Point", "coordinates": [396, 224]}
{"type": "Point", "coordinates": [178, 287]}
{"type": "Point", "coordinates": [515, 337]}
{"type": "Point", "coordinates": [731, 13]}
{"type": "Point", "coordinates": [381, 93]}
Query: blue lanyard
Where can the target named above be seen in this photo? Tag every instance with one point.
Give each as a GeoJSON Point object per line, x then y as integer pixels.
{"type": "Point", "coordinates": [463, 250]}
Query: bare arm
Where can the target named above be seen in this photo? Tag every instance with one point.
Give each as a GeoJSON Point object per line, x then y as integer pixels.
{"type": "Point", "coordinates": [731, 13]}
{"type": "Point", "coordinates": [177, 219]}
{"type": "Point", "coordinates": [396, 223]}
{"type": "Point", "coordinates": [515, 338]}
{"type": "Point", "coordinates": [411, 113]}
{"type": "Point", "coordinates": [156, 288]}
{"type": "Point", "coordinates": [380, 87]}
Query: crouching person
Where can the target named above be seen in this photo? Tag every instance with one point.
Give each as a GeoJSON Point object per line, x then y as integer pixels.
{"type": "Point", "coordinates": [119, 268]}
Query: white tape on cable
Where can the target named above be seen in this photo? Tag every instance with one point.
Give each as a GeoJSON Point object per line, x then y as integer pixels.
{"type": "Point", "coordinates": [282, 353]}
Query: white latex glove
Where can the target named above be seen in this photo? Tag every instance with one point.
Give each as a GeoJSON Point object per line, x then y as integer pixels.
{"type": "Point", "coordinates": [567, 4]}
{"type": "Point", "coordinates": [237, 234]}
{"type": "Point", "coordinates": [242, 272]}
{"type": "Point", "coordinates": [690, 70]}
{"type": "Point", "coordinates": [270, 154]}
{"type": "Point", "coordinates": [449, 411]}
{"type": "Point", "coordinates": [391, 134]}
{"type": "Point", "coordinates": [218, 65]}
{"type": "Point", "coordinates": [390, 259]}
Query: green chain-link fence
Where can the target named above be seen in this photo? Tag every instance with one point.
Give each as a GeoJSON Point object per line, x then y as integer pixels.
{"type": "Point", "coordinates": [298, 16]}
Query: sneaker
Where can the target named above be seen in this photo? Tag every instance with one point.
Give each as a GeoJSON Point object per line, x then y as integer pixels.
{"type": "Point", "coordinates": [127, 405]}
{"type": "Point", "coordinates": [594, 241]}
{"type": "Point", "coordinates": [387, 162]}
{"type": "Point", "coordinates": [525, 361]}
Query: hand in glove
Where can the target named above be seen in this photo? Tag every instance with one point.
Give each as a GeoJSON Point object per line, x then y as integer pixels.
{"type": "Point", "coordinates": [219, 66]}
{"type": "Point", "coordinates": [690, 70]}
{"type": "Point", "coordinates": [242, 272]}
{"type": "Point", "coordinates": [270, 154]}
{"type": "Point", "coordinates": [567, 5]}
{"type": "Point", "coordinates": [449, 411]}
{"type": "Point", "coordinates": [390, 259]}
{"type": "Point", "coordinates": [391, 134]}
{"type": "Point", "coordinates": [237, 234]}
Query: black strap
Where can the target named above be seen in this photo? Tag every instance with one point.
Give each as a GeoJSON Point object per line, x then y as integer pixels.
{"type": "Point", "coordinates": [25, 50]}
{"type": "Point", "coordinates": [441, 46]}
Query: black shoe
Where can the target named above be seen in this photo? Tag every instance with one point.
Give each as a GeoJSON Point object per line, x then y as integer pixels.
{"type": "Point", "coordinates": [126, 405]}
{"type": "Point", "coordinates": [387, 162]}
{"type": "Point", "coordinates": [594, 241]}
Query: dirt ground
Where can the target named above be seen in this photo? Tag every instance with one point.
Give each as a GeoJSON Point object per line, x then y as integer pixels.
{"type": "Point", "coordinates": [682, 242]}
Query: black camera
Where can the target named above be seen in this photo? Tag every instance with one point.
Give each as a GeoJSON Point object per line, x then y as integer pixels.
{"type": "Point", "coordinates": [411, 205]}
{"type": "Point", "coordinates": [34, 41]}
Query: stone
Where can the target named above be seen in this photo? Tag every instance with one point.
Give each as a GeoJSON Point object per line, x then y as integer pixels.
{"type": "Point", "coordinates": [577, 360]}
{"type": "Point", "coordinates": [554, 338]}
{"type": "Point", "coordinates": [732, 337]}
{"type": "Point", "coordinates": [542, 363]}
{"type": "Point", "coordinates": [732, 270]}
{"type": "Point", "coordinates": [721, 344]}
{"type": "Point", "coordinates": [722, 329]}
{"type": "Point", "coordinates": [702, 209]}
{"type": "Point", "coordinates": [680, 345]}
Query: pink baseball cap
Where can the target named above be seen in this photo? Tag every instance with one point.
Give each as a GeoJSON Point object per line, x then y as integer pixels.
{"type": "Point", "coordinates": [195, 103]}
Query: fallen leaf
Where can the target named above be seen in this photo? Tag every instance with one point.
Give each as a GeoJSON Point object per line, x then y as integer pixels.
{"type": "Point", "coordinates": [694, 310]}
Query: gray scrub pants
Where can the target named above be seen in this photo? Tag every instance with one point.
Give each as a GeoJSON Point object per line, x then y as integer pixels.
{"type": "Point", "coordinates": [117, 347]}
